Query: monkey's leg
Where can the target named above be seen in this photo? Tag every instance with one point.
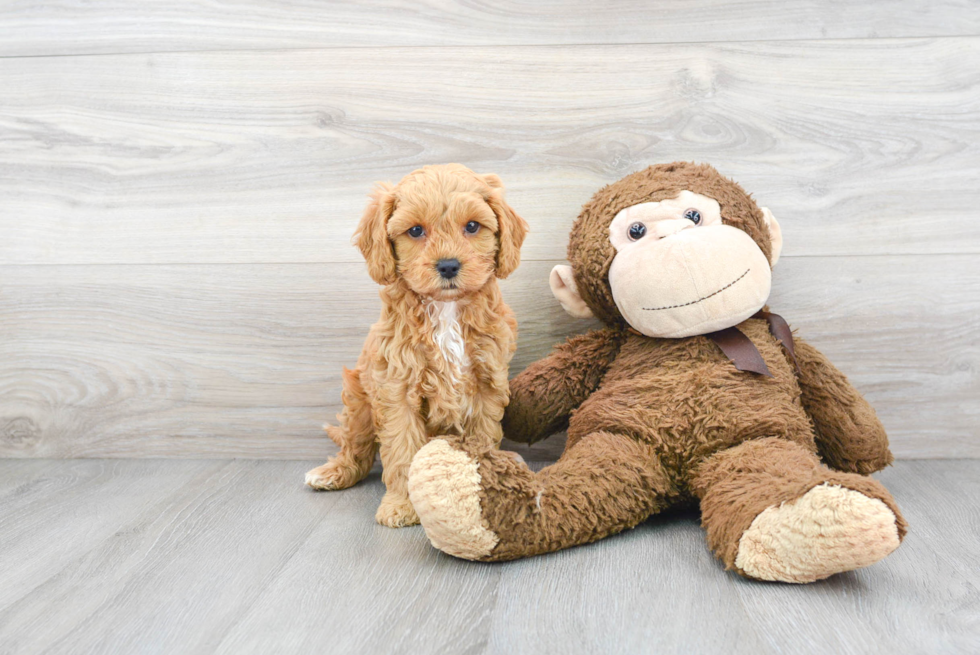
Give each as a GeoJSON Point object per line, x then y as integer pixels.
{"type": "Point", "coordinates": [355, 436]}
{"type": "Point", "coordinates": [489, 506]}
{"type": "Point", "coordinates": [772, 511]}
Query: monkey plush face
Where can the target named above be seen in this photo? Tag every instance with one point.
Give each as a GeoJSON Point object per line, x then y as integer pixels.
{"type": "Point", "coordinates": [673, 251]}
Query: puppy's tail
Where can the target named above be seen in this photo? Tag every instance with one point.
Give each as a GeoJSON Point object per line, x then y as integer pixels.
{"type": "Point", "coordinates": [354, 398]}
{"type": "Point", "coordinates": [337, 434]}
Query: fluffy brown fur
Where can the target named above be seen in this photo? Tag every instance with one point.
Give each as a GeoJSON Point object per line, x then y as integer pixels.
{"type": "Point", "coordinates": [654, 422]}
{"type": "Point", "coordinates": [436, 361]}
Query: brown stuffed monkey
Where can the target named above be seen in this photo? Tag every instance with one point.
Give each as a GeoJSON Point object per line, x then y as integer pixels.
{"type": "Point", "coordinates": [692, 392]}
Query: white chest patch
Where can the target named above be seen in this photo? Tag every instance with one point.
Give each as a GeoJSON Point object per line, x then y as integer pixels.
{"type": "Point", "coordinates": [448, 336]}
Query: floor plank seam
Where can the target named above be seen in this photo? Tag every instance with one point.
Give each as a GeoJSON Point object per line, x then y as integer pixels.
{"type": "Point", "coordinates": [637, 44]}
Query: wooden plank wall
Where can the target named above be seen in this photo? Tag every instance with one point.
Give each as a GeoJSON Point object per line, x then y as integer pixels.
{"type": "Point", "coordinates": [179, 183]}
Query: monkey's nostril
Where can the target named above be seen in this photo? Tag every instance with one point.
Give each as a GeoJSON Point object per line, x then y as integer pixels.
{"type": "Point", "coordinates": [448, 268]}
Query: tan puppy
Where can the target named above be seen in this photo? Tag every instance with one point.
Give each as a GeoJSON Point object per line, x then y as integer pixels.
{"type": "Point", "coordinates": [436, 361]}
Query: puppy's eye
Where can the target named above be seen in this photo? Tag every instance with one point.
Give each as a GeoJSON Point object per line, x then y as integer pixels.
{"type": "Point", "coordinates": [637, 231]}
{"type": "Point", "coordinates": [472, 227]}
{"type": "Point", "coordinates": [692, 215]}
{"type": "Point", "coordinates": [416, 231]}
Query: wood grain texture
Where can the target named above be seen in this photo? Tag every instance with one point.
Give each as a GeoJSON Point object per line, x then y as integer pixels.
{"type": "Point", "coordinates": [860, 147]}
{"type": "Point", "coordinates": [244, 360]}
{"type": "Point", "coordinates": [102, 500]}
{"type": "Point", "coordinates": [239, 557]}
{"type": "Point", "coordinates": [41, 28]}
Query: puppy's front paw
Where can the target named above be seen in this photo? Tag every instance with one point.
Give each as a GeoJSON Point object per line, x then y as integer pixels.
{"type": "Point", "coordinates": [396, 512]}
{"type": "Point", "coordinates": [331, 476]}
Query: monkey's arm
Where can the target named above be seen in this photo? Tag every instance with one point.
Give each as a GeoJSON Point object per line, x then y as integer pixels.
{"type": "Point", "coordinates": [543, 396]}
{"type": "Point", "coordinates": [849, 435]}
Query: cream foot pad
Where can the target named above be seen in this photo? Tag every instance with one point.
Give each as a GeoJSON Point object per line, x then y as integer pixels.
{"type": "Point", "coordinates": [444, 485]}
{"type": "Point", "coordinates": [828, 530]}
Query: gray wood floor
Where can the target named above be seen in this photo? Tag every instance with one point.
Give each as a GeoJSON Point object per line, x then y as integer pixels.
{"type": "Point", "coordinates": [157, 556]}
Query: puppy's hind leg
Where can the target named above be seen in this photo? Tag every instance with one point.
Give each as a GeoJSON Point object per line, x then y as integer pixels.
{"type": "Point", "coordinates": [355, 436]}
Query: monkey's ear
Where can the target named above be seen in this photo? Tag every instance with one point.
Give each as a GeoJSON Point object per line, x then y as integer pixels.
{"type": "Point", "coordinates": [371, 236]}
{"type": "Point", "coordinates": [511, 230]}
{"type": "Point", "coordinates": [563, 286]}
{"type": "Point", "coordinates": [775, 235]}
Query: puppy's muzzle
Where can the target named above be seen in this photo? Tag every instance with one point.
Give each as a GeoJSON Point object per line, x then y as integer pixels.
{"type": "Point", "coordinates": [448, 268]}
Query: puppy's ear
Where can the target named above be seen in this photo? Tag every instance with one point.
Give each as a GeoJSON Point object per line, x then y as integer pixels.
{"type": "Point", "coordinates": [371, 236]}
{"type": "Point", "coordinates": [511, 228]}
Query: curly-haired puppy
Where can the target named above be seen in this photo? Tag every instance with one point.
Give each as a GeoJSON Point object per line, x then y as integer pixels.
{"type": "Point", "coordinates": [436, 361]}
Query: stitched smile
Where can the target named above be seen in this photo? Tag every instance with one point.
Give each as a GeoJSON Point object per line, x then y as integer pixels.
{"type": "Point", "coordinates": [694, 302]}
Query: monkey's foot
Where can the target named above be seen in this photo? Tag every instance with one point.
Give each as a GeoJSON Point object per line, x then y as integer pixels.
{"type": "Point", "coordinates": [827, 530]}
{"type": "Point", "coordinates": [444, 486]}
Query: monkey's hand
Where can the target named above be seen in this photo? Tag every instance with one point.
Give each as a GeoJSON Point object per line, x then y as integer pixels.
{"type": "Point", "coordinates": [849, 435]}
{"type": "Point", "coordinates": [543, 396]}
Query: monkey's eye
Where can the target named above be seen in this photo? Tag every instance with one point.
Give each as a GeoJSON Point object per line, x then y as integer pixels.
{"type": "Point", "coordinates": [692, 215]}
{"type": "Point", "coordinates": [416, 231]}
{"type": "Point", "coordinates": [637, 230]}
{"type": "Point", "coordinates": [472, 227]}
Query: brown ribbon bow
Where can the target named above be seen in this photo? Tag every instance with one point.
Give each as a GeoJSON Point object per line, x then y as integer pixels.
{"type": "Point", "coordinates": [743, 353]}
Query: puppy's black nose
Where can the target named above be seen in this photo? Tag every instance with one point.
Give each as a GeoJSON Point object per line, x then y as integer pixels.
{"type": "Point", "coordinates": [448, 268]}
